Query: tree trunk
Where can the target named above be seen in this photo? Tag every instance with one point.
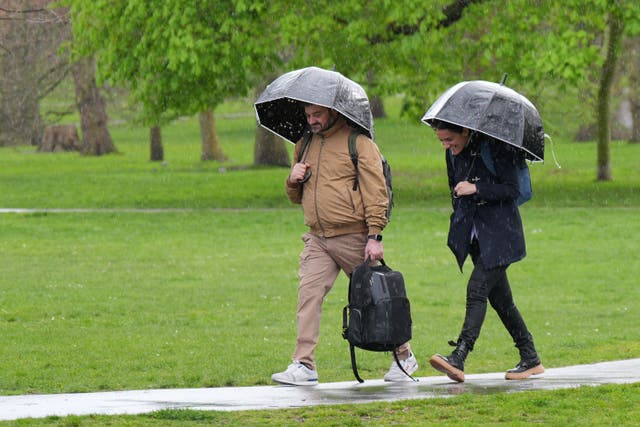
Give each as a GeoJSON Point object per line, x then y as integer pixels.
{"type": "Point", "coordinates": [21, 44]}
{"type": "Point", "coordinates": [614, 27]}
{"type": "Point", "coordinates": [635, 120]}
{"type": "Point", "coordinates": [377, 107]}
{"type": "Point", "coordinates": [210, 145]}
{"type": "Point", "coordinates": [96, 139]}
{"type": "Point", "coordinates": [269, 150]}
{"type": "Point", "coordinates": [156, 150]}
{"type": "Point", "coordinates": [633, 73]}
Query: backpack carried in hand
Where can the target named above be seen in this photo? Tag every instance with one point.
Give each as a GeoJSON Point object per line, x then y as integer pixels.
{"type": "Point", "coordinates": [353, 152]}
{"type": "Point", "coordinates": [522, 169]}
{"type": "Point", "coordinates": [378, 316]}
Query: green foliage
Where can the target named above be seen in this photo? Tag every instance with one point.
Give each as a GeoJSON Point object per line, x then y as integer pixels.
{"type": "Point", "coordinates": [402, 47]}
{"type": "Point", "coordinates": [178, 57]}
{"type": "Point", "coordinates": [355, 37]}
{"type": "Point", "coordinates": [178, 63]}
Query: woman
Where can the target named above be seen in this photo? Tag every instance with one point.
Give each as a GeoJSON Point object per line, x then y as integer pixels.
{"type": "Point", "coordinates": [486, 225]}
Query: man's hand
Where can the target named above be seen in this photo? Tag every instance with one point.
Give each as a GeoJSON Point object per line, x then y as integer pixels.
{"type": "Point", "coordinates": [373, 250]}
{"type": "Point", "coordinates": [298, 172]}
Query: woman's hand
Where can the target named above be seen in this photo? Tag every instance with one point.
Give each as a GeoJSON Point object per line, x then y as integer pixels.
{"type": "Point", "coordinates": [464, 188]}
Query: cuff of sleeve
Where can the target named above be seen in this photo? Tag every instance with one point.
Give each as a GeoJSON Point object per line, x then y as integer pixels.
{"type": "Point", "coordinates": [374, 230]}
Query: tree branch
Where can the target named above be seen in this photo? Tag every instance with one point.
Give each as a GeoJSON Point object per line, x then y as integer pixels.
{"type": "Point", "coordinates": [452, 13]}
{"type": "Point", "coordinates": [2, 9]}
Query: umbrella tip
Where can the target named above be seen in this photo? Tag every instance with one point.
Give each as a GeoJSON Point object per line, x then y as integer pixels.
{"type": "Point", "coordinates": [333, 68]}
{"type": "Point", "coordinates": [504, 79]}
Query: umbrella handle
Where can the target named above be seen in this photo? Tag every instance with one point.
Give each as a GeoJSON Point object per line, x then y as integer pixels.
{"type": "Point", "coordinates": [306, 177]}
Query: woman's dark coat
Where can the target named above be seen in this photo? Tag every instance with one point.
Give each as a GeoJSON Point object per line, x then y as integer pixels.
{"type": "Point", "coordinates": [492, 209]}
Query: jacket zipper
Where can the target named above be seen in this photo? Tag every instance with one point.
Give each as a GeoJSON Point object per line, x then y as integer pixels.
{"type": "Point", "coordinates": [315, 189]}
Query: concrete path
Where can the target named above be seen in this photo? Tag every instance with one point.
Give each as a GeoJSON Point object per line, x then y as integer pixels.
{"type": "Point", "coordinates": [277, 397]}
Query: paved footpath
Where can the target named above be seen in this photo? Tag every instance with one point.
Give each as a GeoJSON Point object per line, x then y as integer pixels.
{"type": "Point", "coordinates": [278, 397]}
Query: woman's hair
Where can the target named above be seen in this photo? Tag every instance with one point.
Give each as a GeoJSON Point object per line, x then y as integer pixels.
{"type": "Point", "coordinates": [441, 125]}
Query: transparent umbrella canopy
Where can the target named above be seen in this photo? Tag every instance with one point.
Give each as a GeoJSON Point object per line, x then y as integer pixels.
{"type": "Point", "coordinates": [494, 110]}
{"type": "Point", "coordinates": [279, 108]}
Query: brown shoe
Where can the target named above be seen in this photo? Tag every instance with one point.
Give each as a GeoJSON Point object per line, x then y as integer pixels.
{"type": "Point", "coordinates": [446, 366]}
{"type": "Point", "coordinates": [524, 370]}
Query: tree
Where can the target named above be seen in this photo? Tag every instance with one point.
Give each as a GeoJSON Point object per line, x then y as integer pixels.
{"type": "Point", "coordinates": [210, 146]}
{"type": "Point", "coordinates": [29, 67]}
{"type": "Point", "coordinates": [178, 57]}
{"type": "Point", "coordinates": [96, 139]}
{"type": "Point", "coordinates": [615, 27]}
{"type": "Point", "coordinates": [33, 67]}
{"type": "Point", "coordinates": [156, 149]}
{"type": "Point", "coordinates": [555, 47]}
{"type": "Point", "coordinates": [631, 67]}
{"type": "Point", "coordinates": [269, 149]}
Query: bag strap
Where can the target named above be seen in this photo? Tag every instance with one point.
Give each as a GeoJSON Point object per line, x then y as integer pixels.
{"type": "Point", "coordinates": [306, 139]}
{"type": "Point", "coordinates": [354, 366]}
{"type": "Point", "coordinates": [353, 152]}
{"type": "Point", "coordinates": [345, 327]}
{"type": "Point", "coordinates": [485, 153]}
{"type": "Point", "coordinates": [345, 321]}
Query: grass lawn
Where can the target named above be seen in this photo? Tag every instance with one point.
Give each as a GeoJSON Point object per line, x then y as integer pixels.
{"type": "Point", "coordinates": [204, 294]}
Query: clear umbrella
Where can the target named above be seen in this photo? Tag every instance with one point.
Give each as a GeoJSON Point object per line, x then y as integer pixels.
{"type": "Point", "coordinates": [279, 107]}
{"type": "Point", "coordinates": [492, 109]}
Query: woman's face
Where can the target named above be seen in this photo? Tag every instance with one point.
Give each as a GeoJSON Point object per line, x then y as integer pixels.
{"type": "Point", "coordinates": [452, 140]}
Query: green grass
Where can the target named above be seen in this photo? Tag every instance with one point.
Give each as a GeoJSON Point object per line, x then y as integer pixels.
{"type": "Point", "coordinates": [117, 300]}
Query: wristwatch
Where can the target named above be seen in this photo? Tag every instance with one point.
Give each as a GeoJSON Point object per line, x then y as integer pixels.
{"type": "Point", "coordinates": [377, 237]}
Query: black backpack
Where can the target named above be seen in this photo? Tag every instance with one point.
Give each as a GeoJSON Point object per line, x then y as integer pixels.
{"type": "Point", "coordinates": [353, 152]}
{"type": "Point", "coordinates": [378, 316]}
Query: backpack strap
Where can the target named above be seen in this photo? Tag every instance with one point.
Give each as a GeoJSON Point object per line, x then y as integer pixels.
{"type": "Point", "coordinates": [354, 366]}
{"type": "Point", "coordinates": [353, 152]}
{"type": "Point", "coordinates": [306, 139]}
{"type": "Point", "coordinates": [485, 153]}
{"type": "Point", "coordinates": [345, 328]}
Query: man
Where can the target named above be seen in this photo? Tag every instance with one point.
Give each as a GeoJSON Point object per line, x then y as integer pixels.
{"type": "Point", "coordinates": [345, 229]}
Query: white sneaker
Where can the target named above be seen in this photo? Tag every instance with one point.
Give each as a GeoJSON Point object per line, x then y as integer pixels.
{"type": "Point", "coordinates": [395, 373]}
{"type": "Point", "coordinates": [296, 374]}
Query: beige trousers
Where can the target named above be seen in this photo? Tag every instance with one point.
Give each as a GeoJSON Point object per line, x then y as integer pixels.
{"type": "Point", "coordinates": [320, 263]}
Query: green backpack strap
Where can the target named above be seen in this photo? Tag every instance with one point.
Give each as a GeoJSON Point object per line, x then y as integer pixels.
{"type": "Point", "coordinates": [353, 152]}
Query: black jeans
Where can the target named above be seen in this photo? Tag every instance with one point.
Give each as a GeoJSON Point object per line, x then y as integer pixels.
{"type": "Point", "coordinates": [493, 285]}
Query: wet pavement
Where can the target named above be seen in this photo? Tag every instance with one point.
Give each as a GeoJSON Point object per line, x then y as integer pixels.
{"type": "Point", "coordinates": [278, 397]}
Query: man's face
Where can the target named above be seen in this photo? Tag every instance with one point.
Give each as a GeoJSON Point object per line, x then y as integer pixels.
{"type": "Point", "coordinates": [452, 140]}
{"type": "Point", "coordinates": [319, 118]}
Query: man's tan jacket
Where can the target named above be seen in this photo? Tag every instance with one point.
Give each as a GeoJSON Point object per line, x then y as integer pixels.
{"type": "Point", "coordinates": [331, 206]}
